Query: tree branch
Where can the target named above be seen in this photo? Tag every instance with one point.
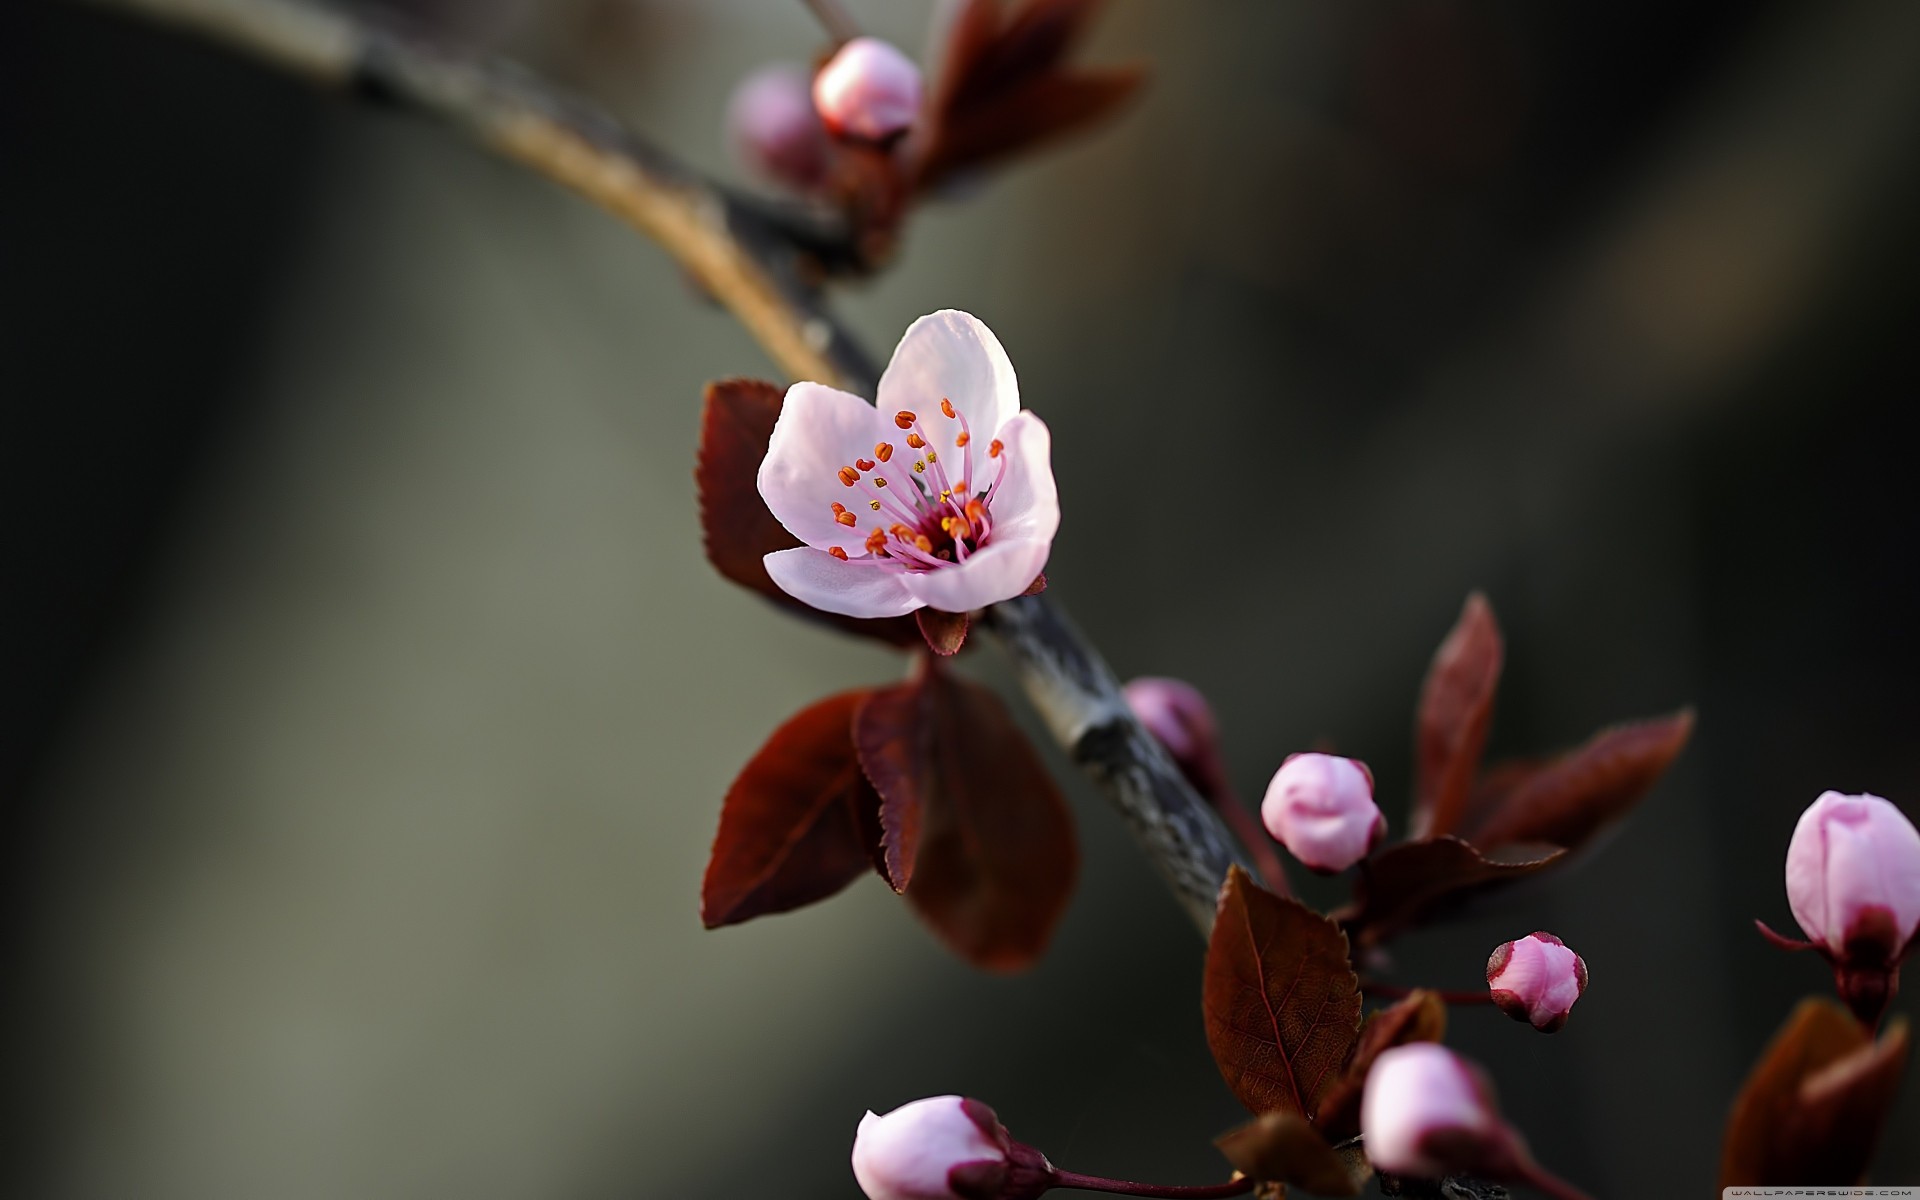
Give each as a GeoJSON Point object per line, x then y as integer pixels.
{"type": "Point", "coordinates": [749, 265]}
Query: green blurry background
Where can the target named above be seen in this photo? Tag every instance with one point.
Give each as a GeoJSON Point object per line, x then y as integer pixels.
{"type": "Point", "coordinates": [367, 703]}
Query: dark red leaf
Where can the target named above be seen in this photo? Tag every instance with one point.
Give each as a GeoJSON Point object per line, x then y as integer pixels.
{"type": "Point", "coordinates": [1815, 1104]}
{"type": "Point", "coordinates": [893, 736]}
{"type": "Point", "coordinates": [997, 858]}
{"type": "Point", "coordinates": [1571, 798]}
{"type": "Point", "coordinates": [945, 632]}
{"type": "Point", "coordinates": [1281, 1000]}
{"type": "Point", "coordinates": [1019, 119]}
{"type": "Point", "coordinates": [739, 531]}
{"type": "Point", "coordinates": [798, 823]}
{"type": "Point", "coordinates": [1456, 709]}
{"type": "Point", "coordinates": [1420, 1017]}
{"type": "Point", "coordinates": [1032, 41]}
{"type": "Point", "coordinates": [1282, 1147]}
{"type": "Point", "coordinates": [1402, 885]}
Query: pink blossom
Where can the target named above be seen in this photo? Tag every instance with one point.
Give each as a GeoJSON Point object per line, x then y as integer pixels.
{"type": "Point", "coordinates": [869, 90]}
{"type": "Point", "coordinates": [1425, 1110]}
{"type": "Point", "coordinates": [912, 1152]}
{"type": "Point", "coordinates": [1536, 979]}
{"type": "Point", "coordinates": [940, 497]}
{"type": "Point", "coordinates": [1179, 718]}
{"type": "Point", "coordinates": [1321, 807]}
{"type": "Point", "coordinates": [1853, 878]}
{"type": "Point", "coordinates": [772, 125]}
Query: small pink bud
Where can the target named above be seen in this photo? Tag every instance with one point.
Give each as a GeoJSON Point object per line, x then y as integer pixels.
{"type": "Point", "coordinates": [945, 1148]}
{"type": "Point", "coordinates": [772, 126]}
{"type": "Point", "coordinates": [1537, 979]}
{"type": "Point", "coordinates": [1853, 878]}
{"type": "Point", "coordinates": [1321, 807]}
{"type": "Point", "coordinates": [1178, 717]}
{"type": "Point", "coordinates": [1426, 1112]}
{"type": "Point", "coordinates": [868, 90]}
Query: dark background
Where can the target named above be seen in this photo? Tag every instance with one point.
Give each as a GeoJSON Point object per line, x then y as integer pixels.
{"type": "Point", "coordinates": [365, 704]}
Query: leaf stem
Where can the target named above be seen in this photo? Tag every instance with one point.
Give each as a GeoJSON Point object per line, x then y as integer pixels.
{"type": "Point", "coordinates": [1395, 991]}
{"type": "Point", "coordinates": [1238, 1186]}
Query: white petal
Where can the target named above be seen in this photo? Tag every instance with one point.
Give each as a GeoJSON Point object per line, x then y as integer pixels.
{"type": "Point", "coordinates": [819, 431]}
{"type": "Point", "coordinates": [950, 355]}
{"type": "Point", "coordinates": [1027, 504]}
{"type": "Point", "coordinates": [849, 588]}
{"type": "Point", "coordinates": [1000, 572]}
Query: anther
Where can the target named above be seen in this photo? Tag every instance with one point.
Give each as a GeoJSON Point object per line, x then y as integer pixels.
{"type": "Point", "coordinates": [877, 482]}
{"type": "Point", "coordinates": [962, 438]}
{"type": "Point", "coordinates": [865, 464]}
{"type": "Point", "coordinates": [874, 505]}
{"type": "Point", "coordinates": [976, 511]}
{"type": "Point", "coordinates": [995, 447]}
{"type": "Point", "coordinates": [932, 457]}
{"type": "Point", "coordinates": [838, 508]}
{"type": "Point", "coordinates": [845, 518]}
{"type": "Point", "coordinates": [946, 406]}
{"type": "Point", "coordinates": [883, 450]}
{"type": "Point", "coordinates": [849, 476]}
{"type": "Point", "coordinates": [920, 467]}
{"type": "Point", "coordinates": [837, 552]}
{"type": "Point", "coordinates": [916, 441]}
{"type": "Point", "coordinates": [925, 546]}
{"type": "Point", "coordinates": [900, 531]}
{"type": "Point", "coordinates": [904, 419]}
{"type": "Point", "coordinates": [876, 542]}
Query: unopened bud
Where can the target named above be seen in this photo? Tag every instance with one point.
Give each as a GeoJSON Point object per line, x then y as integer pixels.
{"type": "Point", "coordinates": [1536, 979]}
{"type": "Point", "coordinates": [868, 90]}
{"type": "Point", "coordinates": [1320, 806]}
{"type": "Point", "coordinates": [1179, 718]}
{"type": "Point", "coordinates": [772, 126]}
{"type": "Point", "coordinates": [1427, 1112]}
{"type": "Point", "coordinates": [1853, 878]}
{"type": "Point", "coordinates": [944, 1148]}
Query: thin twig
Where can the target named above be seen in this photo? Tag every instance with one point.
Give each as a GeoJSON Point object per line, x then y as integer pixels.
{"type": "Point", "coordinates": [834, 19]}
{"type": "Point", "coordinates": [750, 267]}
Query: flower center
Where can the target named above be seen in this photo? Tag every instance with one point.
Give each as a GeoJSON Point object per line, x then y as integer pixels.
{"type": "Point", "coordinates": [915, 515]}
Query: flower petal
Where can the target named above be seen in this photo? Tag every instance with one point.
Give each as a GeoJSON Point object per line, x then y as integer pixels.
{"type": "Point", "coordinates": [819, 431]}
{"type": "Point", "coordinates": [1000, 572]}
{"type": "Point", "coordinates": [1027, 503]}
{"type": "Point", "coordinates": [951, 355]}
{"type": "Point", "coordinates": [851, 589]}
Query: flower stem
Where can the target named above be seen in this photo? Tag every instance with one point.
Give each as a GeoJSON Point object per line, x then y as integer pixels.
{"type": "Point", "coordinates": [1238, 1186]}
{"type": "Point", "coordinates": [839, 26]}
{"type": "Point", "coordinates": [1394, 991]}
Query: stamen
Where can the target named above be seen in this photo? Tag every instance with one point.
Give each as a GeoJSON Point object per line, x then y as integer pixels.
{"type": "Point", "coordinates": [976, 511]}
{"type": "Point", "coordinates": [838, 508]}
{"type": "Point", "coordinates": [946, 406]}
{"type": "Point", "coordinates": [877, 542]}
{"type": "Point", "coordinates": [845, 518]}
{"type": "Point", "coordinates": [877, 481]}
{"type": "Point", "coordinates": [995, 447]}
{"type": "Point", "coordinates": [920, 467]}
{"type": "Point", "coordinates": [916, 441]}
{"type": "Point", "coordinates": [962, 438]}
{"type": "Point", "coordinates": [849, 476]}
{"type": "Point", "coordinates": [865, 464]}
{"type": "Point", "coordinates": [921, 541]}
{"type": "Point", "coordinates": [932, 457]}
{"type": "Point", "coordinates": [874, 505]}
{"type": "Point", "coordinates": [883, 451]}
{"type": "Point", "coordinates": [837, 552]}
{"type": "Point", "coordinates": [903, 532]}
{"type": "Point", "coordinates": [904, 419]}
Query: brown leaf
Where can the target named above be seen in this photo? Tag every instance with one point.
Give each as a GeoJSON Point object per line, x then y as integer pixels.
{"type": "Point", "coordinates": [1019, 119]}
{"type": "Point", "coordinates": [1033, 40]}
{"type": "Point", "coordinates": [1282, 1147]}
{"type": "Point", "coordinates": [1281, 1000]}
{"type": "Point", "coordinates": [1568, 800]}
{"type": "Point", "coordinates": [1420, 1017]}
{"type": "Point", "coordinates": [1403, 884]}
{"type": "Point", "coordinates": [1814, 1106]}
{"type": "Point", "coordinates": [735, 524]}
{"type": "Point", "coordinates": [893, 737]}
{"type": "Point", "coordinates": [997, 858]}
{"type": "Point", "coordinates": [1456, 709]}
{"type": "Point", "coordinates": [798, 822]}
{"type": "Point", "coordinates": [944, 632]}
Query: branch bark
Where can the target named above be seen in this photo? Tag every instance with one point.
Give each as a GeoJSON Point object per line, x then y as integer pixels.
{"type": "Point", "coordinates": [752, 266]}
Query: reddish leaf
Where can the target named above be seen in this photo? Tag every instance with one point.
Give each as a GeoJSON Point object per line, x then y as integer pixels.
{"type": "Point", "coordinates": [798, 823]}
{"type": "Point", "coordinates": [1813, 1107]}
{"type": "Point", "coordinates": [945, 632]}
{"type": "Point", "coordinates": [1402, 885]}
{"type": "Point", "coordinates": [1420, 1017]}
{"type": "Point", "coordinates": [1577, 794]}
{"type": "Point", "coordinates": [1282, 1147]}
{"type": "Point", "coordinates": [893, 736]}
{"type": "Point", "coordinates": [1031, 42]}
{"type": "Point", "coordinates": [1281, 1000]}
{"type": "Point", "coordinates": [1019, 119]}
{"type": "Point", "coordinates": [997, 858]}
{"type": "Point", "coordinates": [738, 530]}
{"type": "Point", "coordinates": [1456, 708]}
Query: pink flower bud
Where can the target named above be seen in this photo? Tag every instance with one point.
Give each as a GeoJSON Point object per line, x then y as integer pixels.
{"type": "Point", "coordinates": [1853, 878]}
{"type": "Point", "coordinates": [940, 1148]}
{"type": "Point", "coordinates": [1321, 807]}
{"type": "Point", "coordinates": [1178, 717]}
{"type": "Point", "coordinates": [774, 129]}
{"type": "Point", "coordinates": [1537, 979]}
{"type": "Point", "coordinates": [868, 90]}
{"type": "Point", "coordinates": [1426, 1112]}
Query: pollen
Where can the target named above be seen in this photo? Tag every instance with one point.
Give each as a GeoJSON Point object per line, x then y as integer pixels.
{"type": "Point", "coordinates": [838, 508]}
{"type": "Point", "coordinates": [962, 438]}
{"type": "Point", "coordinates": [995, 447]}
{"type": "Point", "coordinates": [874, 505]}
{"type": "Point", "coordinates": [878, 481]}
{"type": "Point", "coordinates": [876, 542]}
{"type": "Point", "coordinates": [837, 552]}
{"type": "Point", "coordinates": [932, 457]}
{"type": "Point", "coordinates": [845, 518]}
{"type": "Point", "coordinates": [849, 476]}
{"type": "Point", "coordinates": [904, 419]}
{"type": "Point", "coordinates": [865, 464]}
{"type": "Point", "coordinates": [946, 406]}
{"type": "Point", "coordinates": [883, 450]}
{"type": "Point", "coordinates": [920, 467]}
{"type": "Point", "coordinates": [916, 441]}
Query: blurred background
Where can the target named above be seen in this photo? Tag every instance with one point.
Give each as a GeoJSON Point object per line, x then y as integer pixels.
{"type": "Point", "coordinates": [366, 703]}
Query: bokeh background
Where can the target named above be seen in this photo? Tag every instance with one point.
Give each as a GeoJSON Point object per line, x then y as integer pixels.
{"type": "Point", "coordinates": [366, 703]}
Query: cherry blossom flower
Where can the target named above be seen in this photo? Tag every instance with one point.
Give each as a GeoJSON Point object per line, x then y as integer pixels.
{"type": "Point", "coordinates": [945, 1148]}
{"type": "Point", "coordinates": [1423, 1106]}
{"type": "Point", "coordinates": [1853, 876]}
{"type": "Point", "coordinates": [1320, 806]}
{"type": "Point", "coordinates": [1536, 979]}
{"type": "Point", "coordinates": [869, 89]}
{"type": "Point", "coordinates": [940, 497]}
